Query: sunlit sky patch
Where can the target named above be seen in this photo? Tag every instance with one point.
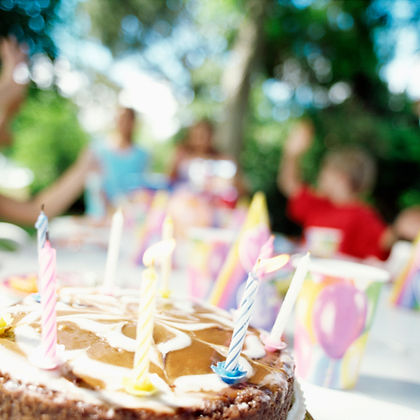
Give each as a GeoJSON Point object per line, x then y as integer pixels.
{"type": "Point", "coordinates": [158, 98]}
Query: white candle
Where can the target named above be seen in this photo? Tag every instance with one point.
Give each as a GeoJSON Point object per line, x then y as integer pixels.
{"type": "Point", "coordinates": [290, 299]}
{"type": "Point", "coordinates": [113, 249]}
{"type": "Point", "coordinates": [166, 267]}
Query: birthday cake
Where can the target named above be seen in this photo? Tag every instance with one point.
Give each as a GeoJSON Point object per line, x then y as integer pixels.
{"type": "Point", "coordinates": [96, 342]}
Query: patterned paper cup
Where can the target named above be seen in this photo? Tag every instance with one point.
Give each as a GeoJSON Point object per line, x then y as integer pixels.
{"type": "Point", "coordinates": [208, 249]}
{"type": "Point", "coordinates": [334, 313]}
{"type": "Point", "coordinates": [323, 242]}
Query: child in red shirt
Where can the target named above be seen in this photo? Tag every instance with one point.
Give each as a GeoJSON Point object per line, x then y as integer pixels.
{"type": "Point", "coordinates": [336, 202]}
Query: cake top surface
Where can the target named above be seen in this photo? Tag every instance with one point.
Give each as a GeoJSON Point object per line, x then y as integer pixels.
{"type": "Point", "coordinates": [96, 337]}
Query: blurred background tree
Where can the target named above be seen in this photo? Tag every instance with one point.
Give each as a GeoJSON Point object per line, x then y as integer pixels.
{"type": "Point", "coordinates": [48, 136]}
{"type": "Point", "coordinates": [255, 66]}
{"type": "Point", "coordinates": [279, 60]}
{"type": "Point", "coordinates": [31, 22]}
{"type": "Point", "coordinates": [47, 133]}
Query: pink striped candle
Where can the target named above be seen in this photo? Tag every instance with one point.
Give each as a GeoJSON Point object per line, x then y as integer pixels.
{"type": "Point", "coordinates": [46, 356]}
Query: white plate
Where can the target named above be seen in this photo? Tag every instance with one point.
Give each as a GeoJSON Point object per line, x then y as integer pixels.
{"type": "Point", "coordinates": [298, 409]}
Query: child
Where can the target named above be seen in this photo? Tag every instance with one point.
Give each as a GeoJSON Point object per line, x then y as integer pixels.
{"type": "Point", "coordinates": [345, 176]}
{"type": "Point", "coordinates": [123, 163]}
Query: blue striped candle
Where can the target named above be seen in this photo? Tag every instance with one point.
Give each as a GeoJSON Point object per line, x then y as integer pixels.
{"type": "Point", "coordinates": [42, 229]}
{"type": "Point", "coordinates": [229, 371]}
{"type": "Point", "coordinates": [242, 322]}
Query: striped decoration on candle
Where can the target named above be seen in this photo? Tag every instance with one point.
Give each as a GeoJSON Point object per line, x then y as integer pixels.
{"type": "Point", "coordinates": [42, 228]}
{"type": "Point", "coordinates": [242, 322]}
{"type": "Point", "coordinates": [139, 383]}
{"type": "Point", "coordinates": [229, 371]}
{"type": "Point", "coordinates": [48, 290]}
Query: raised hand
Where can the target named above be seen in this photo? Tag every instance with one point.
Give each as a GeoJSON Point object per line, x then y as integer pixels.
{"type": "Point", "coordinates": [12, 92]}
{"type": "Point", "coordinates": [12, 55]}
{"type": "Point", "coordinates": [299, 139]}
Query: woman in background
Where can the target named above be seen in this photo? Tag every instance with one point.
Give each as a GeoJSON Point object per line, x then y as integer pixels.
{"type": "Point", "coordinates": [198, 144]}
{"type": "Point", "coordinates": [201, 167]}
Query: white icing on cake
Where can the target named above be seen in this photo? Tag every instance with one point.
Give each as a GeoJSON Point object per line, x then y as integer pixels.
{"type": "Point", "coordinates": [105, 317]}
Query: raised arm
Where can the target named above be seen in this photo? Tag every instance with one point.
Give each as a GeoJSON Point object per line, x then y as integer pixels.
{"type": "Point", "coordinates": [289, 179]}
{"type": "Point", "coordinates": [56, 198]}
{"type": "Point", "coordinates": [12, 93]}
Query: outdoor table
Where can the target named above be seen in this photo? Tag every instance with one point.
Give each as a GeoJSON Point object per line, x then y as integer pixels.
{"type": "Point", "coordinates": [389, 382]}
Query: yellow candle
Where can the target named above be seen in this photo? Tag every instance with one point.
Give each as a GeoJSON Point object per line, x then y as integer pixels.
{"type": "Point", "coordinates": [139, 383]}
{"type": "Point", "coordinates": [166, 266]}
{"type": "Point", "coordinates": [5, 323]}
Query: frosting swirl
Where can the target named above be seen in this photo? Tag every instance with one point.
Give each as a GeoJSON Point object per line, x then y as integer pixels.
{"type": "Point", "coordinates": [96, 333]}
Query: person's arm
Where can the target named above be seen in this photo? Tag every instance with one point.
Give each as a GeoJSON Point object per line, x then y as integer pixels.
{"type": "Point", "coordinates": [289, 179]}
{"type": "Point", "coordinates": [407, 224]}
{"type": "Point", "coordinates": [370, 234]}
{"type": "Point", "coordinates": [178, 158]}
{"type": "Point", "coordinates": [405, 227]}
{"type": "Point", "coordinates": [388, 239]}
{"type": "Point", "coordinates": [56, 198]}
{"type": "Point", "coordinates": [12, 94]}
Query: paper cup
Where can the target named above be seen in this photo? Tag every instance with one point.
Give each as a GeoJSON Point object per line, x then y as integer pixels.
{"type": "Point", "coordinates": [323, 242]}
{"type": "Point", "coordinates": [334, 313]}
{"type": "Point", "coordinates": [266, 306]}
{"type": "Point", "coordinates": [209, 248]}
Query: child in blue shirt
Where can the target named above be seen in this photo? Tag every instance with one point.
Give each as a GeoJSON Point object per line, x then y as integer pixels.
{"type": "Point", "coordinates": [122, 164]}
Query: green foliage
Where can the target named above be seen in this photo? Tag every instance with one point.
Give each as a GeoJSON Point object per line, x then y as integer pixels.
{"type": "Point", "coordinates": [31, 22]}
{"type": "Point", "coordinates": [263, 141]}
{"type": "Point", "coordinates": [8, 245]}
{"type": "Point", "coordinates": [48, 137]}
{"type": "Point", "coordinates": [310, 48]}
{"type": "Point", "coordinates": [132, 24]}
{"type": "Point", "coordinates": [392, 141]}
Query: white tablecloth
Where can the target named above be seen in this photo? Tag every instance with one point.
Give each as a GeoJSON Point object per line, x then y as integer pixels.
{"type": "Point", "coordinates": [389, 383]}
